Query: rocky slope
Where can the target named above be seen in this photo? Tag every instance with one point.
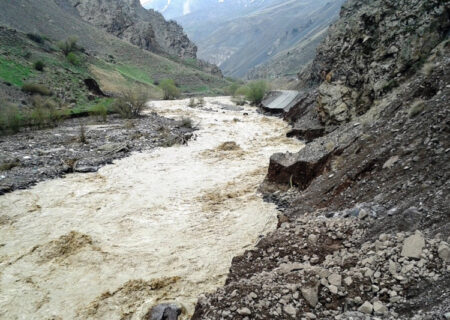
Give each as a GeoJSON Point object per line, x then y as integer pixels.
{"type": "Point", "coordinates": [365, 226]}
{"type": "Point", "coordinates": [146, 29]}
{"type": "Point", "coordinates": [128, 20]}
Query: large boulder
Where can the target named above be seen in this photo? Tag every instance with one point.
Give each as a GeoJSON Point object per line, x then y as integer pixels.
{"type": "Point", "coordinates": [164, 311]}
{"type": "Point", "coordinates": [298, 169]}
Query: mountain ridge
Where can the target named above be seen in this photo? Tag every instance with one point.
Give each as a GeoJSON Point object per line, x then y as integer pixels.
{"type": "Point", "coordinates": [239, 36]}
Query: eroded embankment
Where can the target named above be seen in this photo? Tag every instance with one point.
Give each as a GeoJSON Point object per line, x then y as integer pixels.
{"type": "Point", "coordinates": [156, 226]}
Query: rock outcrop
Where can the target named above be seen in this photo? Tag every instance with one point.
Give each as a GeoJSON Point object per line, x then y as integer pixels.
{"type": "Point", "coordinates": [373, 48]}
{"type": "Point", "coordinates": [128, 20]}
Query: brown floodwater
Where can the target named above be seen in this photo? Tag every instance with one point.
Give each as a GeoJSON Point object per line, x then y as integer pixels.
{"type": "Point", "coordinates": [157, 226]}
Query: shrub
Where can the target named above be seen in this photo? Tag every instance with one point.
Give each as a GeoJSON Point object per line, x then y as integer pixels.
{"type": "Point", "coordinates": [131, 103]}
{"type": "Point", "coordinates": [169, 89]}
{"type": "Point", "coordinates": [201, 102]}
{"type": "Point", "coordinates": [82, 134]}
{"type": "Point", "coordinates": [192, 103]}
{"type": "Point", "coordinates": [11, 118]}
{"type": "Point", "coordinates": [231, 90]}
{"type": "Point", "coordinates": [238, 100]}
{"type": "Point", "coordinates": [39, 65]}
{"type": "Point", "coordinates": [242, 91]}
{"type": "Point", "coordinates": [69, 45]}
{"type": "Point", "coordinates": [27, 54]}
{"type": "Point", "coordinates": [73, 59]}
{"type": "Point", "coordinates": [45, 112]}
{"type": "Point", "coordinates": [256, 92]}
{"type": "Point", "coordinates": [36, 38]}
{"type": "Point", "coordinates": [186, 123]}
{"type": "Point", "coordinates": [35, 88]}
{"type": "Point", "coordinates": [99, 110]}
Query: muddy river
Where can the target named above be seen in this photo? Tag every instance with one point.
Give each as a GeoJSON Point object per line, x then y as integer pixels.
{"type": "Point", "coordinates": [158, 226]}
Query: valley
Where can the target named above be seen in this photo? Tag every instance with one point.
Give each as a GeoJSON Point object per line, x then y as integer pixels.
{"type": "Point", "coordinates": [254, 39]}
{"type": "Point", "coordinates": [229, 159]}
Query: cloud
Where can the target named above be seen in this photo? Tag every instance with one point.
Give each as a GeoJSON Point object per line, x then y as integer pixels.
{"type": "Point", "coordinates": [187, 7]}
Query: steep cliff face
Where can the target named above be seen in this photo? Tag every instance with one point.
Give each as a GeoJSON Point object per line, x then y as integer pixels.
{"type": "Point", "coordinates": [371, 49]}
{"type": "Point", "coordinates": [128, 20]}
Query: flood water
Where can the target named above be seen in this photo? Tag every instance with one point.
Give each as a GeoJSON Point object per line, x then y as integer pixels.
{"type": "Point", "coordinates": [157, 226]}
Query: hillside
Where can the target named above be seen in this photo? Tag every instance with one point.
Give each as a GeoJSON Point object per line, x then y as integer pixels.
{"type": "Point", "coordinates": [286, 63]}
{"type": "Point", "coordinates": [240, 35]}
{"type": "Point", "coordinates": [114, 63]}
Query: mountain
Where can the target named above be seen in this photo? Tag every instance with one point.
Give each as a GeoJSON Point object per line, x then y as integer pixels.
{"type": "Point", "coordinates": [147, 29]}
{"type": "Point", "coordinates": [288, 62]}
{"type": "Point", "coordinates": [128, 20]}
{"type": "Point", "coordinates": [114, 63]}
{"type": "Point", "coordinates": [239, 35]}
{"type": "Point", "coordinates": [221, 9]}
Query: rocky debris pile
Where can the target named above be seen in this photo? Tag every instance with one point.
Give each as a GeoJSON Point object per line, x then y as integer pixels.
{"type": "Point", "coordinates": [76, 146]}
{"type": "Point", "coordinates": [321, 268]}
{"type": "Point", "coordinates": [373, 48]}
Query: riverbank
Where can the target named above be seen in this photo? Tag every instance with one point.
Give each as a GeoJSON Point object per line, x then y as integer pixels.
{"type": "Point", "coordinates": [82, 145]}
{"type": "Point", "coordinates": [157, 226]}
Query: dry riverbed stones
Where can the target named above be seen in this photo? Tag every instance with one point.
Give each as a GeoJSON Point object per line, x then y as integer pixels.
{"type": "Point", "coordinates": [81, 145]}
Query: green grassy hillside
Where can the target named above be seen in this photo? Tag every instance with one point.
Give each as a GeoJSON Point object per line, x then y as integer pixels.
{"type": "Point", "coordinates": [112, 62]}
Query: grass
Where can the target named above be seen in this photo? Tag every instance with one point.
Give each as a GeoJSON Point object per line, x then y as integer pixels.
{"type": "Point", "coordinates": [101, 109]}
{"type": "Point", "coordinates": [35, 88]}
{"type": "Point", "coordinates": [13, 72]}
{"type": "Point", "coordinates": [93, 107]}
{"type": "Point", "coordinates": [46, 112]}
{"type": "Point", "coordinates": [73, 59]}
{"type": "Point", "coordinates": [135, 73]}
{"type": "Point", "coordinates": [416, 108]}
{"type": "Point", "coordinates": [113, 80]}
